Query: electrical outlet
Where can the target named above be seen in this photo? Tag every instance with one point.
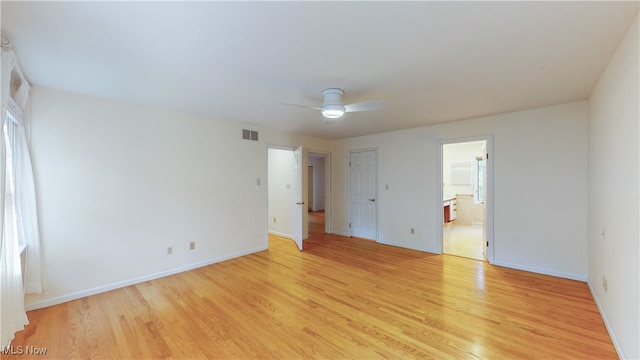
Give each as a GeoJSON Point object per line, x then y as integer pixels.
{"type": "Point", "coordinates": [413, 231]}
{"type": "Point", "coordinates": [274, 220]}
{"type": "Point", "coordinates": [170, 250]}
{"type": "Point", "coordinates": [192, 245]}
{"type": "Point", "coordinates": [604, 283]}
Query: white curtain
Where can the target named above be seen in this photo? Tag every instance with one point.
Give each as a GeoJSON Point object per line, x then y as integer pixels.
{"type": "Point", "coordinates": [18, 199]}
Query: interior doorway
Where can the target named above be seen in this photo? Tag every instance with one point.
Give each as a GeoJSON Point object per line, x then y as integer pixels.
{"type": "Point", "coordinates": [280, 192]}
{"type": "Point", "coordinates": [290, 214]}
{"type": "Point", "coordinates": [317, 194]}
{"type": "Point", "coordinates": [464, 199]}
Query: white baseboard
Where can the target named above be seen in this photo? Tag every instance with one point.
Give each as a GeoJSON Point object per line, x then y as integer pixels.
{"type": "Point", "coordinates": [277, 233]}
{"type": "Point", "coordinates": [100, 289]}
{"type": "Point", "coordinates": [570, 276]}
{"type": "Point", "coordinates": [410, 247]}
{"type": "Point", "coordinates": [607, 324]}
{"type": "Point", "coordinates": [340, 233]}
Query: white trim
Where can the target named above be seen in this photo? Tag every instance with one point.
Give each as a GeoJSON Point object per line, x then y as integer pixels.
{"type": "Point", "coordinates": [489, 199]}
{"type": "Point", "coordinates": [439, 210]}
{"type": "Point", "coordinates": [607, 324]}
{"type": "Point", "coordinates": [277, 233]}
{"type": "Point", "coordinates": [117, 285]}
{"type": "Point", "coordinates": [570, 276]}
{"type": "Point", "coordinates": [430, 251]}
{"type": "Point", "coordinates": [339, 233]}
{"type": "Point", "coordinates": [265, 191]}
{"type": "Point", "coordinates": [280, 147]}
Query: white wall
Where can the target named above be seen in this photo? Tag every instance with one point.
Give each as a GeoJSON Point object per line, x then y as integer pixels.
{"type": "Point", "coordinates": [281, 199]}
{"type": "Point", "coordinates": [540, 172]}
{"type": "Point", "coordinates": [614, 195]}
{"type": "Point", "coordinates": [117, 184]}
{"type": "Point", "coordinates": [319, 191]}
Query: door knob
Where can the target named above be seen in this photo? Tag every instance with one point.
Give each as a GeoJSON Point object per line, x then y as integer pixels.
{"type": "Point", "coordinates": [372, 200]}
{"type": "Point", "coordinates": [300, 203]}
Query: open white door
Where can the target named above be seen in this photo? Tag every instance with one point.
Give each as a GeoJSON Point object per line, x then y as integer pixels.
{"type": "Point", "coordinates": [300, 208]}
{"type": "Point", "coordinates": [483, 184]}
{"type": "Point", "coordinates": [487, 195]}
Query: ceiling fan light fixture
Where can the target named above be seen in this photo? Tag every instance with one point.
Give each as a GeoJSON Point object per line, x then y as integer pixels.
{"type": "Point", "coordinates": [333, 111]}
{"type": "Point", "coordinates": [332, 107]}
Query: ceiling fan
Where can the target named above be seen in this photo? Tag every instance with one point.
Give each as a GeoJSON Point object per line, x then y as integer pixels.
{"type": "Point", "coordinates": [332, 107]}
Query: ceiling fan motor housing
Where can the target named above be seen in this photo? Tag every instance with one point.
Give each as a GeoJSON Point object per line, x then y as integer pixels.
{"type": "Point", "coordinates": [332, 105]}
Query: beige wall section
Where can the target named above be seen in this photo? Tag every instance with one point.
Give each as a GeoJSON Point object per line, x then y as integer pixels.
{"type": "Point", "coordinates": [118, 184]}
{"type": "Point", "coordinates": [614, 194]}
{"type": "Point", "coordinates": [540, 157]}
{"type": "Point", "coordinates": [468, 212]}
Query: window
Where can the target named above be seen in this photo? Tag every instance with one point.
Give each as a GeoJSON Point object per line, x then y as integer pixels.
{"type": "Point", "coordinates": [479, 176]}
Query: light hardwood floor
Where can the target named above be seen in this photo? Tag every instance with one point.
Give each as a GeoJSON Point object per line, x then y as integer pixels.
{"type": "Point", "coordinates": [339, 299]}
{"type": "Point", "coordinates": [316, 223]}
{"type": "Point", "coordinates": [462, 240]}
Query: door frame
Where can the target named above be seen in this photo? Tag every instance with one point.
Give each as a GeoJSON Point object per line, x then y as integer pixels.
{"type": "Point", "coordinates": [311, 185]}
{"type": "Point", "coordinates": [327, 204]}
{"type": "Point", "coordinates": [350, 205]}
{"type": "Point", "coordinates": [489, 209]}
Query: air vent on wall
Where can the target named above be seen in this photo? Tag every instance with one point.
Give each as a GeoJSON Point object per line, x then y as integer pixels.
{"type": "Point", "coordinates": [249, 135]}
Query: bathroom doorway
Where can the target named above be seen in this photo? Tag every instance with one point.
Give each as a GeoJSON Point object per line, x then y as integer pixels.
{"type": "Point", "coordinates": [464, 199]}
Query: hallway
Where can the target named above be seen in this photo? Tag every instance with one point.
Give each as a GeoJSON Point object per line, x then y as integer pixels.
{"type": "Point", "coordinates": [316, 223]}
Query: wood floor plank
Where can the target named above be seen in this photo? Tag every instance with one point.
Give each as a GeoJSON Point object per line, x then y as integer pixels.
{"type": "Point", "coordinates": [340, 298]}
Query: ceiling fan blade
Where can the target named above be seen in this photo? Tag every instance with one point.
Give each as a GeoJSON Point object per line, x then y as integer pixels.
{"type": "Point", "coordinates": [366, 106]}
{"type": "Point", "coordinates": [302, 106]}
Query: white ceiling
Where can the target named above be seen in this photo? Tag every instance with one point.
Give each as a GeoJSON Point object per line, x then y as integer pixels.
{"type": "Point", "coordinates": [238, 61]}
